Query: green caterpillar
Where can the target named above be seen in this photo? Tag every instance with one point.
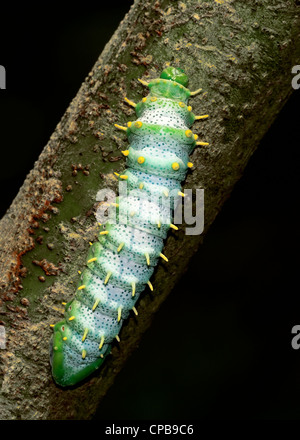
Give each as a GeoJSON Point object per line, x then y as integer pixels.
{"type": "Point", "coordinates": [120, 264]}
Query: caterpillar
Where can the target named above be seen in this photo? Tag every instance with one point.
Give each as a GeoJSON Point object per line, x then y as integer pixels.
{"type": "Point", "coordinates": [130, 243]}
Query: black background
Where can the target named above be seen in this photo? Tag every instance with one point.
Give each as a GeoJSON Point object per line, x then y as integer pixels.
{"type": "Point", "coordinates": [220, 347]}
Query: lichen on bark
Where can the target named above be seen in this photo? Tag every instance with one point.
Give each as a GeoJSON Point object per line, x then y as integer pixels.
{"type": "Point", "coordinates": [241, 54]}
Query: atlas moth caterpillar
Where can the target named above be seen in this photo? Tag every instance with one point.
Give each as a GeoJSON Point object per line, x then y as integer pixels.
{"type": "Point", "coordinates": [121, 263]}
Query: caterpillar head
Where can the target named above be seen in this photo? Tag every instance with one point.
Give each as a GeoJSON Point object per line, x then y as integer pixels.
{"type": "Point", "coordinates": [175, 74]}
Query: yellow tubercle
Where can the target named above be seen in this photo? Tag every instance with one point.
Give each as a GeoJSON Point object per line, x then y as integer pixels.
{"type": "Point", "coordinates": [125, 152]}
{"type": "Point", "coordinates": [141, 185]}
{"type": "Point", "coordinates": [164, 257]}
{"type": "Point", "coordinates": [123, 176]}
{"type": "Point", "coordinates": [120, 247]}
{"type": "Point", "coordinates": [201, 117]}
{"type": "Point", "coordinates": [150, 285]}
{"type": "Point", "coordinates": [181, 194]}
{"type": "Point", "coordinates": [181, 104]}
{"type": "Point", "coordinates": [144, 99]}
{"type": "Point", "coordinates": [107, 277]}
{"type": "Point", "coordinates": [92, 259]}
{"type": "Point", "coordinates": [138, 124]}
{"type": "Point", "coordinates": [71, 318]}
{"type": "Point", "coordinates": [196, 92]}
{"type": "Point", "coordinates": [147, 258]}
{"type": "Point", "coordinates": [141, 160]}
{"type": "Point", "coordinates": [175, 166]}
{"type": "Point", "coordinates": [188, 133]}
{"type": "Point", "coordinates": [189, 164]}
{"type": "Point", "coordinates": [173, 227]}
{"type": "Point", "coordinates": [101, 342]}
{"type": "Point", "coordinates": [145, 83]}
{"type": "Point", "coordinates": [133, 104]}
{"type": "Point", "coordinates": [120, 127]}
{"type": "Point", "coordinates": [129, 124]}
{"type": "Point", "coordinates": [135, 311]}
{"type": "Point", "coordinates": [95, 305]}
{"type": "Point", "coordinates": [153, 98]}
{"type": "Point", "coordinates": [119, 313]}
{"type": "Point", "coordinates": [86, 330]}
{"type": "Point", "coordinates": [81, 287]}
{"type": "Point", "coordinates": [103, 233]}
{"type": "Point", "coordinates": [133, 288]}
{"type": "Point", "coordinates": [83, 354]}
{"type": "Point", "coordinates": [189, 108]}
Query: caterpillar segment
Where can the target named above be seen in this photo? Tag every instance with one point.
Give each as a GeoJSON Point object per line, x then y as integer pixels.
{"type": "Point", "coordinates": [130, 244]}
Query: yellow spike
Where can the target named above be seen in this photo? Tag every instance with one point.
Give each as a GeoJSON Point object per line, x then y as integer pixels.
{"type": "Point", "coordinates": [115, 204]}
{"type": "Point", "coordinates": [195, 92]}
{"type": "Point", "coordinates": [100, 224]}
{"type": "Point", "coordinates": [101, 355]}
{"type": "Point", "coordinates": [117, 174]}
{"type": "Point", "coordinates": [143, 82]}
{"type": "Point", "coordinates": [138, 124]}
{"type": "Point", "coordinates": [119, 313]}
{"type": "Point", "coordinates": [52, 325]}
{"type": "Point", "coordinates": [158, 224]}
{"type": "Point", "coordinates": [150, 285]}
{"type": "Point", "coordinates": [189, 164]}
{"type": "Point", "coordinates": [173, 227]}
{"type": "Point", "coordinates": [123, 176]}
{"type": "Point", "coordinates": [166, 193]}
{"type": "Point", "coordinates": [86, 330]}
{"type": "Point", "coordinates": [90, 243]}
{"type": "Point", "coordinates": [101, 342]}
{"type": "Point", "coordinates": [92, 259]}
{"type": "Point", "coordinates": [201, 117]}
{"type": "Point", "coordinates": [133, 288]}
{"type": "Point", "coordinates": [125, 152]}
{"type": "Point", "coordinates": [181, 194]}
{"type": "Point", "coordinates": [65, 338]}
{"type": "Point", "coordinates": [195, 137]}
{"type": "Point", "coordinates": [147, 258]}
{"type": "Point", "coordinates": [189, 108]}
{"type": "Point", "coordinates": [175, 166]}
{"type": "Point", "coordinates": [71, 318]}
{"type": "Point", "coordinates": [107, 277]}
{"type": "Point", "coordinates": [141, 185]}
{"type": "Point", "coordinates": [133, 104]}
{"type": "Point", "coordinates": [120, 127]}
{"type": "Point", "coordinates": [117, 338]}
{"type": "Point", "coordinates": [135, 311]}
{"type": "Point", "coordinates": [202, 143]}
{"type": "Point", "coordinates": [144, 99]}
{"type": "Point", "coordinates": [79, 272]}
{"type": "Point", "coordinates": [120, 247]}
{"type": "Point", "coordinates": [163, 257]}
{"type": "Point", "coordinates": [104, 232]}
{"type": "Point", "coordinates": [141, 159]}
{"type": "Point", "coordinates": [81, 287]}
{"type": "Point", "coordinates": [95, 304]}
{"type": "Point", "coordinates": [83, 354]}
{"type": "Point", "coordinates": [63, 304]}
{"type": "Point", "coordinates": [129, 124]}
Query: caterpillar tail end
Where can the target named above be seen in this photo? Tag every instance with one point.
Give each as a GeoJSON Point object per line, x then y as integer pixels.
{"type": "Point", "coordinates": [67, 371]}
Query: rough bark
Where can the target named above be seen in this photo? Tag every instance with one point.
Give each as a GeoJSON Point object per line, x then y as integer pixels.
{"type": "Point", "coordinates": [241, 53]}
